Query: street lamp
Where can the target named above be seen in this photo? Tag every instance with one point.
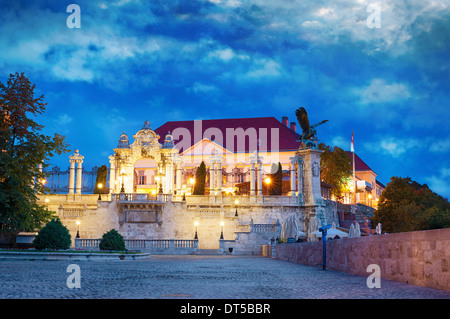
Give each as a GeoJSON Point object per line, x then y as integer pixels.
{"type": "Point", "coordinates": [78, 229]}
{"type": "Point", "coordinates": [46, 202]}
{"type": "Point", "coordinates": [184, 193]}
{"type": "Point", "coordinates": [221, 229]}
{"type": "Point", "coordinates": [196, 225]}
{"type": "Point", "coordinates": [192, 182]}
{"type": "Point", "coordinates": [236, 202]}
{"type": "Point", "coordinates": [99, 186]}
{"type": "Point", "coordinates": [370, 199]}
{"type": "Point", "coordinates": [267, 181]}
{"type": "Point", "coordinates": [122, 173]}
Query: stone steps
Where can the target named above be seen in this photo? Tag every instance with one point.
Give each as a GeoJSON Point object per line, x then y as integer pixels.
{"type": "Point", "coordinates": [207, 252]}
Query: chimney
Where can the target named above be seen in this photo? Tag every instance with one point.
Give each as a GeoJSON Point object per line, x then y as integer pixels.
{"type": "Point", "coordinates": [294, 126]}
{"type": "Point", "coordinates": [285, 120]}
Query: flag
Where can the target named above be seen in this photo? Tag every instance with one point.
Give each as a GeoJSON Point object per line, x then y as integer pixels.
{"type": "Point", "coordinates": [352, 146]}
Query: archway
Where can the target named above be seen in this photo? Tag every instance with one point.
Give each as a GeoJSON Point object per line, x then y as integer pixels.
{"type": "Point", "coordinates": [146, 179]}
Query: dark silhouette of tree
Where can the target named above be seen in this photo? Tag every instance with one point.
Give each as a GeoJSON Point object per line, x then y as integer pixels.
{"type": "Point", "coordinates": [23, 147]}
{"type": "Point", "coordinates": [200, 180]}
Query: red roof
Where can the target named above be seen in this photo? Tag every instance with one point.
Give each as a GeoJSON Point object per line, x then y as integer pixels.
{"type": "Point", "coordinates": [359, 163]}
{"type": "Point", "coordinates": [238, 131]}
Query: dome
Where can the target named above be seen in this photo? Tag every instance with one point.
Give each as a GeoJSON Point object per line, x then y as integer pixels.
{"type": "Point", "coordinates": [168, 141]}
{"type": "Point", "coordinates": [123, 141]}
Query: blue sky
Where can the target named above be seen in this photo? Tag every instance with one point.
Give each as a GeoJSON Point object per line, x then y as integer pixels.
{"type": "Point", "coordinates": [183, 60]}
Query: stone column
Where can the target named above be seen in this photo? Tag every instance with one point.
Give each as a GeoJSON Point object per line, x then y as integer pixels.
{"type": "Point", "coordinates": [252, 179]}
{"type": "Point", "coordinates": [112, 174]}
{"type": "Point", "coordinates": [300, 179]}
{"type": "Point", "coordinates": [292, 171]}
{"type": "Point", "coordinates": [79, 176]}
{"type": "Point", "coordinates": [311, 176]}
{"type": "Point", "coordinates": [178, 177]}
{"type": "Point", "coordinates": [212, 182]}
{"type": "Point", "coordinates": [72, 176]}
{"type": "Point", "coordinates": [259, 174]}
{"type": "Point", "coordinates": [219, 178]}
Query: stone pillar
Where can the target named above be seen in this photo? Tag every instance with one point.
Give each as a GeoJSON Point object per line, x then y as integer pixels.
{"type": "Point", "coordinates": [219, 178]}
{"type": "Point", "coordinates": [79, 176]}
{"type": "Point", "coordinates": [252, 179]}
{"type": "Point", "coordinates": [75, 158]}
{"type": "Point", "coordinates": [212, 182]}
{"type": "Point", "coordinates": [259, 174]}
{"type": "Point", "coordinates": [112, 175]}
{"type": "Point", "coordinates": [311, 176]}
{"type": "Point", "coordinates": [72, 176]}
{"type": "Point", "coordinates": [292, 171]}
{"type": "Point", "coordinates": [299, 160]}
{"type": "Point", "coordinates": [178, 178]}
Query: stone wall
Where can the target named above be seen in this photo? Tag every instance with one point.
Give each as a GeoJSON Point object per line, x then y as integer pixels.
{"type": "Point", "coordinates": [175, 219]}
{"type": "Point", "coordinates": [419, 258]}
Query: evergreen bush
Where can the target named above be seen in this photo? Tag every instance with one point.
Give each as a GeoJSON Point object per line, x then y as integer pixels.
{"type": "Point", "coordinates": [112, 240]}
{"type": "Point", "coordinates": [54, 235]}
{"type": "Point", "coordinates": [200, 180]}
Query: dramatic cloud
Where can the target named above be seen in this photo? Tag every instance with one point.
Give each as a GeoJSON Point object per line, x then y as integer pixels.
{"type": "Point", "coordinates": [173, 60]}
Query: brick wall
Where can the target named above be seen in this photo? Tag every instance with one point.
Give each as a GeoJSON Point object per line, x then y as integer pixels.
{"type": "Point", "coordinates": [419, 258]}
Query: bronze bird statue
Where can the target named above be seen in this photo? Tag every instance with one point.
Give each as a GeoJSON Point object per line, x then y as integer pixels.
{"type": "Point", "coordinates": [308, 131]}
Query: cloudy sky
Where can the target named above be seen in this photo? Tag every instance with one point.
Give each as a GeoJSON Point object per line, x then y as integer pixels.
{"type": "Point", "coordinates": [378, 68]}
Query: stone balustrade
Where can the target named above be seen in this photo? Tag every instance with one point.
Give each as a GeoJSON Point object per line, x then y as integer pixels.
{"type": "Point", "coordinates": [140, 197]}
{"type": "Point", "coordinates": [163, 246]}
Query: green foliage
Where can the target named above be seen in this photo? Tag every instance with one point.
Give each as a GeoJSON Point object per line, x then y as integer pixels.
{"type": "Point", "coordinates": [405, 205]}
{"type": "Point", "coordinates": [23, 147]}
{"type": "Point", "coordinates": [112, 240]}
{"type": "Point", "coordinates": [102, 173]}
{"type": "Point", "coordinates": [200, 180]}
{"type": "Point", "coordinates": [335, 169]}
{"type": "Point", "coordinates": [276, 181]}
{"type": "Point", "coordinates": [54, 235]}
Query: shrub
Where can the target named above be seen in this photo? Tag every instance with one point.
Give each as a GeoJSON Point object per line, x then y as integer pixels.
{"type": "Point", "coordinates": [54, 235]}
{"type": "Point", "coordinates": [112, 240]}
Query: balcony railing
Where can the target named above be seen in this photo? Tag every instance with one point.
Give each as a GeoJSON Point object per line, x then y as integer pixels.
{"type": "Point", "coordinates": [144, 198]}
{"type": "Point", "coordinates": [143, 244]}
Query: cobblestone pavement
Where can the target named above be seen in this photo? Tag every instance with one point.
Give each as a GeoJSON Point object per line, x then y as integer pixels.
{"type": "Point", "coordinates": [206, 277]}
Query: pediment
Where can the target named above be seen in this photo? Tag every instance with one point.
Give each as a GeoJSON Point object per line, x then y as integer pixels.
{"type": "Point", "coordinates": [205, 147]}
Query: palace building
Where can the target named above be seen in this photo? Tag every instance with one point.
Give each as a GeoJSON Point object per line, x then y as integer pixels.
{"type": "Point", "coordinates": [148, 197]}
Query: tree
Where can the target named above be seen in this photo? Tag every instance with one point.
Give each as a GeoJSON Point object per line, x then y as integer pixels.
{"type": "Point", "coordinates": [276, 181]}
{"type": "Point", "coordinates": [406, 205]}
{"type": "Point", "coordinates": [54, 235]}
{"type": "Point", "coordinates": [200, 180]}
{"type": "Point", "coordinates": [112, 240]}
{"type": "Point", "coordinates": [102, 173]}
{"type": "Point", "coordinates": [335, 169]}
{"type": "Point", "coordinates": [22, 148]}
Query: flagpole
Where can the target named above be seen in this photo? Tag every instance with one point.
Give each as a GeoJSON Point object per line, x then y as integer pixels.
{"type": "Point", "coordinates": [354, 176]}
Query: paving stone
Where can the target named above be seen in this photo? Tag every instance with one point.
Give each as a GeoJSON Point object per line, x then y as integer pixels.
{"type": "Point", "coordinates": [195, 277]}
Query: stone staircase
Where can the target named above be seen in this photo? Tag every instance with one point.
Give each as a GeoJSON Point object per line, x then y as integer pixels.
{"type": "Point", "coordinates": [207, 252]}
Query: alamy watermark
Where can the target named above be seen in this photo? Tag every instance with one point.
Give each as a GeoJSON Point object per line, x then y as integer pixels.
{"type": "Point", "coordinates": [74, 279]}
{"type": "Point", "coordinates": [74, 19]}
{"type": "Point", "coordinates": [374, 19]}
{"type": "Point", "coordinates": [374, 280]}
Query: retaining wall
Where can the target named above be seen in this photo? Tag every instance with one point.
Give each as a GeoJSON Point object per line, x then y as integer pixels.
{"type": "Point", "coordinates": [419, 258]}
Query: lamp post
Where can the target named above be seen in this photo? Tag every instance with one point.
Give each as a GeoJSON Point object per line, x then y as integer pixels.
{"type": "Point", "coordinates": [221, 229]}
{"type": "Point", "coordinates": [122, 174]}
{"type": "Point", "coordinates": [236, 202]}
{"type": "Point", "coordinates": [370, 199]}
{"type": "Point", "coordinates": [184, 193]}
{"type": "Point", "coordinates": [192, 182]}
{"type": "Point", "coordinates": [46, 202]}
{"type": "Point", "coordinates": [267, 181]}
{"type": "Point", "coordinates": [196, 225]}
{"type": "Point", "coordinates": [99, 186]}
{"type": "Point", "coordinates": [78, 229]}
